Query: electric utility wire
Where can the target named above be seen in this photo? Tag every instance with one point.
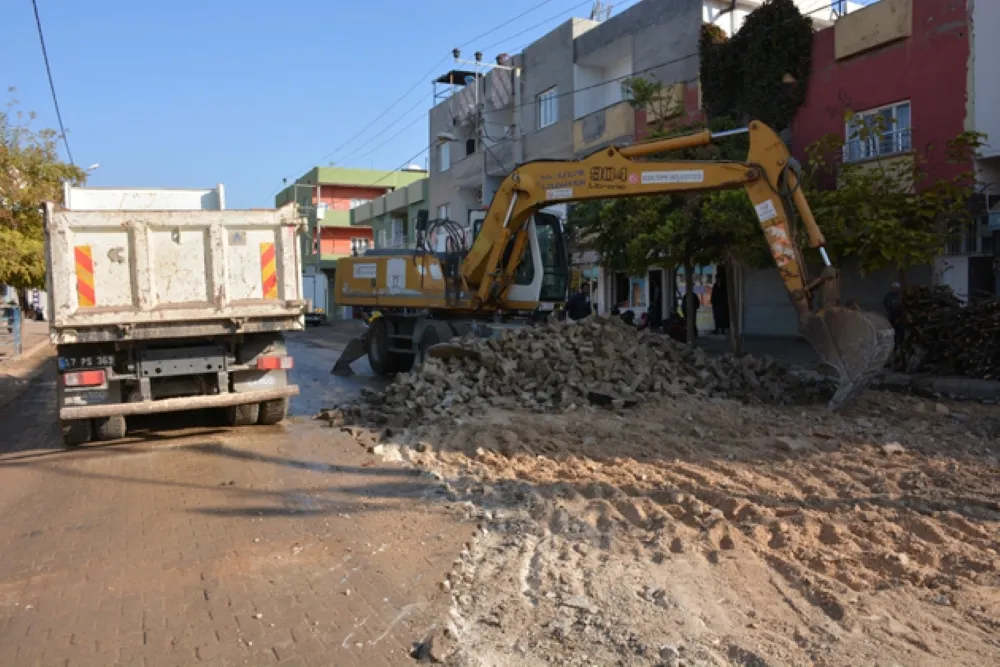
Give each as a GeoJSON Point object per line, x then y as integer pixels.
{"type": "Point", "coordinates": [538, 25]}
{"type": "Point", "coordinates": [52, 85]}
{"type": "Point", "coordinates": [672, 61]}
{"type": "Point", "coordinates": [467, 43]}
{"type": "Point", "coordinates": [425, 76]}
{"type": "Point", "coordinates": [421, 81]}
{"type": "Point", "coordinates": [619, 8]}
{"type": "Point", "coordinates": [422, 115]}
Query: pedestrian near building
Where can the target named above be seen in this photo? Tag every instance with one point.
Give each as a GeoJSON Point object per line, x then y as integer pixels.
{"type": "Point", "coordinates": [720, 303]}
{"type": "Point", "coordinates": [578, 305]}
{"type": "Point", "coordinates": [893, 304]}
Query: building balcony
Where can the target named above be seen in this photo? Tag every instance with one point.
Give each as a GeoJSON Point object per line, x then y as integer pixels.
{"type": "Point", "coordinates": [895, 142]}
{"type": "Point", "coordinates": [872, 26]}
{"type": "Point", "coordinates": [466, 172]}
{"type": "Point", "coordinates": [396, 202]}
{"type": "Point", "coordinates": [610, 125]}
{"type": "Point", "coordinates": [500, 159]}
{"type": "Point", "coordinates": [333, 218]}
{"type": "Point", "coordinates": [891, 151]}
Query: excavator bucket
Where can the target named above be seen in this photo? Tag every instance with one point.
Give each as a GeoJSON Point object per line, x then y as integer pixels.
{"type": "Point", "coordinates": [356, 348]}
{"type": "Point", "coordinates": [854, 342]}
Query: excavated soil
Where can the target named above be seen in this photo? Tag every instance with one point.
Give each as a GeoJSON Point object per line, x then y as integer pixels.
{"type": "Point", "coordinates": [697, 529]}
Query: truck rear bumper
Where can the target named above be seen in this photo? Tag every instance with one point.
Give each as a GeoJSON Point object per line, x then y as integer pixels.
{"type": "Point", "coordinates": [175, 404]}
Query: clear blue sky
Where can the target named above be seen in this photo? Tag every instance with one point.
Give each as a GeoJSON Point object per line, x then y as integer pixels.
{"type": "Point", "coordinates": [190, 93]}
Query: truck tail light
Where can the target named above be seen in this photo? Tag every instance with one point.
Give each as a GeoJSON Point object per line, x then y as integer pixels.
{"type": "Point", "coordinates": [274, 363]}
{"type": "Point", "coordinates": [84, 379]}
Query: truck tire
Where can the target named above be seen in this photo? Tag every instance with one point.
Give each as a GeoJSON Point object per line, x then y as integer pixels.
{"type": "Point", "coordinates": [243, 415]}
{"type": "Point", "coordinates": [76, 432]}
{"type": "Point", "coordinates": [272, 412]}
{"type": "Point", "coordinates": [379, 357]}
{"type": "Point", "coordinates": [109, 428]}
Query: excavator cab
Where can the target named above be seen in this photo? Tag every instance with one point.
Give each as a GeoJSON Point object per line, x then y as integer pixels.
{"type": "Point", "coordinates": [543, 274]}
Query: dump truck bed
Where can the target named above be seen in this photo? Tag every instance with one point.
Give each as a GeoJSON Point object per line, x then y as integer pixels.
{"type": "Point", "coordinates": [140, 274]}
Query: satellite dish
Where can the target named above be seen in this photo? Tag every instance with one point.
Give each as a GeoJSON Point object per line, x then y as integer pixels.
{"type": "Point", "coordinates": [469, 79]}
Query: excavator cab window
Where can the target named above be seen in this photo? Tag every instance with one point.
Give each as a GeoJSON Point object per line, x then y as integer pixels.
{"type": "Point", "coordinates": [555, 260]}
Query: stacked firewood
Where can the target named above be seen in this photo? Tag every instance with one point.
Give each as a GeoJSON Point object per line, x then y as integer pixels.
{"type": "Point", "coordinates": [941, 335]}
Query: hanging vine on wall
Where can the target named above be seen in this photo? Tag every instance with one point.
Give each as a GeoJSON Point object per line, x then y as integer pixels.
{"type": "Point", "coordinates": [762, 72]}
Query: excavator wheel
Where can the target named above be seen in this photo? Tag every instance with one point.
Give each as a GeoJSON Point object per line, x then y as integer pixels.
{"type": "Point", "coordinates": [854, 342]}
{"type": "Point", "coordinates": [379, 357]}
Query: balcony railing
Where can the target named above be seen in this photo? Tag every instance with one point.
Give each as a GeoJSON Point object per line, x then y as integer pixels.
{"type": "Point", "coordinates": [608, 125]}
{"type": "Point", "coordinates": [886, 143]}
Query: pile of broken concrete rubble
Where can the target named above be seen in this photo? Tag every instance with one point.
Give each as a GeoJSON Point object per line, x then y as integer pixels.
{"type": "Point", "coordinates": [562, 365]}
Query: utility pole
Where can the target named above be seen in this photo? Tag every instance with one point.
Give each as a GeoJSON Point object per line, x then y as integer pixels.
{"type": "Point", "coordinates": [480, 110]}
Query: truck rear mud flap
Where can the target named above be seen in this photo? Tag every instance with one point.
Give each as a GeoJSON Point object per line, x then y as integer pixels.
{"type": "Point", "coordinates": [175, 404]}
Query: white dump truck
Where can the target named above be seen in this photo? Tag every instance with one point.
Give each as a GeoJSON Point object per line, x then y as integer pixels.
{"type": "Point", "coordinates": [163, 301]}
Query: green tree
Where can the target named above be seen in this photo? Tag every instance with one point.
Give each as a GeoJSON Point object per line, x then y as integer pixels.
{"type": "Point", "coordinates": [676, 230]}
{"type": "Point", "coordinates": [888, 212]}
{"type": "Point", "coordinates": [762, 72]}
{"type": "Point", "coordinates": [30, 174]}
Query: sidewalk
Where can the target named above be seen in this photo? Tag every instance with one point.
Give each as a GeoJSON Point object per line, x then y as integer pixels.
{"type": "Point", "coordinates": [16, 373]}
{"type": "Point", "coordinates": [33, 333]}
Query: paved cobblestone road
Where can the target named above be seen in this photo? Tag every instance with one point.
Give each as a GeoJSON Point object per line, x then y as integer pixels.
{"type": "Point", "coordinates": [200, 544]}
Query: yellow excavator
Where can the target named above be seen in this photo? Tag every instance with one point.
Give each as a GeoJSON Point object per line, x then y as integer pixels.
{"type": "Point", "coordinates": [517, 266]}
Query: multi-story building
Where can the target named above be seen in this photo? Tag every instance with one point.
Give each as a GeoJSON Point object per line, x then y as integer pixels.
{"type": "Point", "coordinates": [393, 216]}
{"type": "Point", "coordinates": [563, 97]}
{"type": "Point", "coordinates": [925, 67]}
{"type": "Point", "coordinates": [327, 196]}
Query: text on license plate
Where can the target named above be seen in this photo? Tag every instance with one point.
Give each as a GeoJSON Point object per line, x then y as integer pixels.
{"type": "Point", "coordinates": [96, 361]}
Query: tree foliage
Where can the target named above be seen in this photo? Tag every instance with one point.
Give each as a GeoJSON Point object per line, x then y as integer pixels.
{"type": "Point", "coordinates": [30, 174]}
{"type": "Point", "coordinates": [680, 229]}
{"type": "Point", "coordinates": [888, 212]}
{"type": "Point", "coordinates": [761, 73]}
{"type": "Point", "coordinates": [674, 229]}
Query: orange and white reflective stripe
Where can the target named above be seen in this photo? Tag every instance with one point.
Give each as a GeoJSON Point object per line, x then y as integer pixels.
{"type": "Point", "coordinates": [84, 276]}
{"type": "Point", "coordinates": [268, 271]}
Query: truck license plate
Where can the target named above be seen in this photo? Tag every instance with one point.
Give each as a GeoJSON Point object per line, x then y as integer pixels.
{"type": "Point", "coordinates": [95, 361]}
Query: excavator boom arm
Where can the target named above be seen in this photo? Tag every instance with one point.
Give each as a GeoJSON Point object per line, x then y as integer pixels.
{"type": "Point", "coordinates": [613, 172]}
{"type": "Point", "coordinates": [856, 344]}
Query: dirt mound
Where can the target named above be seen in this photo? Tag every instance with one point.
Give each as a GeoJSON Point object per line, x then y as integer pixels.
{"type": "Point", "coordinates": [707, 531]}
{"type": "Point", "coordinates": [563, 365]}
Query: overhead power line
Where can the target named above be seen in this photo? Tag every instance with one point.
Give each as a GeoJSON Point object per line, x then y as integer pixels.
{"type": "Point", "coordinates": [537, 25]}
{"type": "Point", "coordinates": [603, 83]}
{"type": "Point", "coordinates": [672, 61]}
{"type": "Point", "coordinates": [422, 115]}
{"type": "Point", "coordinates": [422, 80]}
{"type": "Point", "coordinates": [52, 85]}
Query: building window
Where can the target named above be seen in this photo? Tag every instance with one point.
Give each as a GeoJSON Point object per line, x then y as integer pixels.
{"type": "Point", "coordinates": [359, 245]}
{"type": "Point", "coordinates": [444, 156]}
{"type": "Point", "coordinates": [882, 131]}
{"type": "Point", "coordinates": [470, 147]}
{"type": "Point", "coordinates": [548, 107]}
{"type": "Point", "coordinates": [397, 234]}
